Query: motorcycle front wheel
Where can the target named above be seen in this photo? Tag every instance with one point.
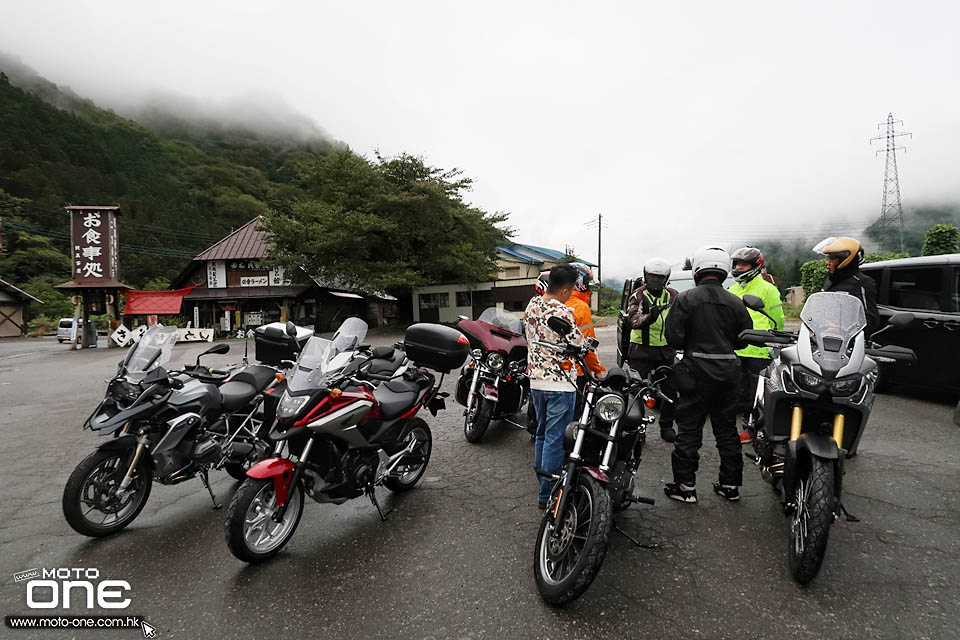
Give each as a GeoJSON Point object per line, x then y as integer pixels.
{"type": "Point", "coordinates": [476, 422]}
{"type": "Point", "coordinates": [810, 525]}
{"type": "Point", "coordinates": [410, 474]}
{"type": "Point", "coordinates": [252, 534]}
{"type": "Point", "coordinates": [564, 565]}
{"type": "Point", "coordinates": [90, 502]}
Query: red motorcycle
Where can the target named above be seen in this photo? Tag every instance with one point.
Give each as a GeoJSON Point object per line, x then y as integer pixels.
{"type": "Point", "coordinates": [494, 385]}
{"type": "Point", "coordinates": [342, 430]}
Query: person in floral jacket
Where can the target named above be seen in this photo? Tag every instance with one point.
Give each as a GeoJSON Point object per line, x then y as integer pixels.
{"type": "Point", "coordinates": [552, 390]}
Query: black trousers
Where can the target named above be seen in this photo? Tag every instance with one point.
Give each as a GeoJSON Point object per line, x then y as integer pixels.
{"type": "Point", "coordinates": [750, 370]}
{"type": "Point", "coordinates": [700, 397]}
{"type": "Point", "coordinates": [668, 410]}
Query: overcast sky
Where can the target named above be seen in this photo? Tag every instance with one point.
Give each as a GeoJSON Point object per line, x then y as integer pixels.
{"type": "Point", "coordinates": [683, 123]}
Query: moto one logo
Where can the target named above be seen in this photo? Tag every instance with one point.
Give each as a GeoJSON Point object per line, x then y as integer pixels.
{"type": "Point", "coordinates": [82, 587]}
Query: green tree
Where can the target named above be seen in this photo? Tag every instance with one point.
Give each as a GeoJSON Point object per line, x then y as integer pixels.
{"type": "Point", "coordinates": [55, 305]}
{"type": "Point", "coordinates": [157, 284]}
{"type": "Point", "coordinates": [941, 239]}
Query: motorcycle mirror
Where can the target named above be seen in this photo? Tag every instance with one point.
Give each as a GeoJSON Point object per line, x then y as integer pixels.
{"type": "Point", "coordinates": [291, 330]}
{"type": "Point", "coordinates": [219, 348]}
{"type": "Point", "coordinates": [155, 375]}
{"type": "Point", "coordinates": [559, 326]}
{"type": "Point", "coordinates": [462, 317]}
{"type": "Point", "coordinates": [753, 302]}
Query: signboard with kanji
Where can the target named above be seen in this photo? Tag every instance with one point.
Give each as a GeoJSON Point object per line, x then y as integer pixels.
{"type": "Point", "coordinates": [95, 246]}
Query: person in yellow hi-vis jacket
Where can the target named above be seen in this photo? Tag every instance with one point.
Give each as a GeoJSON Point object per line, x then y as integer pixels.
{"type": "Point", "coordinates": [747, 264]}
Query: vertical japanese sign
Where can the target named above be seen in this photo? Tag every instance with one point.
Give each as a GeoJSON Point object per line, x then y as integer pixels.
{"type": "Point", "coordinates": [94, 235]}
{"type": "Point", "coordinates": [216, 274]}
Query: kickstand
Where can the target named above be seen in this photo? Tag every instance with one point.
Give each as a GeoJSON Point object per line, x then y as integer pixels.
{"type": "Point", "coordinates": [206, 483]}
{"type": "Point", "coordinates": [849, 516]}
{"type": "Point", "coordinates": [371, 492]}
{"type": "Point", "coordinates": [634, 540]}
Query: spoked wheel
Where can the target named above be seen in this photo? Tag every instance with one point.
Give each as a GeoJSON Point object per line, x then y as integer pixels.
{"type": "Point", "coordinates": [810, 525]}
{"type": "Point", "coordinates": [565, 564]}
{"type": "Point", "coordinates": [91, 503]}
{"type": "Point", "coordinates": [410, 474]}
{"type": "Point", "coordinates": [252, 533]}
{"type": "Point", "coordinates": [477, 419]}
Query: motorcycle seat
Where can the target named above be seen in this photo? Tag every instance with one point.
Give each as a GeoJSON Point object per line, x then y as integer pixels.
{"type": "Point", "coordinates": [235, 394]}
{"type": "Point", "coordinates": [396, 397]}
{"type": "Point", "coordinates": [257, 376]}
{"type": "Point", "coordinates": [386, 360]}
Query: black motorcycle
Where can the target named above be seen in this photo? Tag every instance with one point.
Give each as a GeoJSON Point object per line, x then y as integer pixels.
{"type": "Point", "coordinates": [604, 448]}
{"type": "Point", "coordinates": [494, 384]}
{"type": "Point", "coordinates": [168, 427]}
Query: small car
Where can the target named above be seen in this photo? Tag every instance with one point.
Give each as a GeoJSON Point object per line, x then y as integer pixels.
{"type": "Point", "coordinates": [65, 327]}
{"type": "Point", "coordinates": [929, 288]}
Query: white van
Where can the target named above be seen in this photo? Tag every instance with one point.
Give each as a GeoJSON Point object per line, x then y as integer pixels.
{"type": "Point", "coordinates": [65, 327]}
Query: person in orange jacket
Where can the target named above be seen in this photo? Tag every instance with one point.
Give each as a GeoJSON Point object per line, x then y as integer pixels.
{"type": "Point", "coordinates": [580, 303]}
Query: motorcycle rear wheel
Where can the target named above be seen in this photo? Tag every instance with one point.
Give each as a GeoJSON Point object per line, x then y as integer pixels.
{"type": "Point", "coordinates": [565, 566]}
{"type": "Point", "coordinates": [251, 533]}
{"type": "Point", "coordinates": [94, 483]}
{"type": "Point", "coordinates": [418, 429]}
{"type": "Point", "coordinates": [810, 526]}
{"type": "Point", "coordinates": [475, 423]}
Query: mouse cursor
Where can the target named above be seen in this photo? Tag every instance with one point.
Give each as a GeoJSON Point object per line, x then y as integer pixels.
{"type": "Point", "coordinates": [149, 631]}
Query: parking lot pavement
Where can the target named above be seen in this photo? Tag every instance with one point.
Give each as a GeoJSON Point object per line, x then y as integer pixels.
{"type": "Point", "coordinates": [455, 557]}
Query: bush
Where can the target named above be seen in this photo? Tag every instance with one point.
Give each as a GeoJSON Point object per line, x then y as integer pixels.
{"type": "Point", "coordinates": [813, 274]}
{"type": "Point", "coordinates": [41, 326]}
{"type": "Point", "coordinates": [941, 239]}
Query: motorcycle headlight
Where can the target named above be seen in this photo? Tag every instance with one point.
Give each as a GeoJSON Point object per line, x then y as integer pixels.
{"type": "Point", "coordinates": [808, 381]}
{"type": "Point", "coordinates": [290, 405]}
{"type": "Point", "coordinates": [477, 354]}
{"type": "Point", "coordinates": [495, 360]}
{"type": "Point", "coordinates": [847, 386]}
{"type": "Point", "coordinates": [610, 408]}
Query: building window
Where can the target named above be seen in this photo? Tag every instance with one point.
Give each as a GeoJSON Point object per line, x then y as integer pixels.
{"type": "Point", "coordinates": [434, 300]}
{"type": "Point", "coordinates": [915, 288]}
{"type": "Point", "coordinates": [463, 299]}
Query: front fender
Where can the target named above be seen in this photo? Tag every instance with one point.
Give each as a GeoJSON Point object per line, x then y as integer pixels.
{"type": "Point", "coordinates": [598, 475]}
{"type": "Point", "coordinates": [118, 444]}
{"type": "Point", "coordinates": [490, 392]}
{"type": "Point", "coordinates": [281, 470]}
{"type": "Point", "coordinates": [799, 453]}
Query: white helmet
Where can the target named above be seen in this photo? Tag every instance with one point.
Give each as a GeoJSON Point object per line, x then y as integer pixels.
{"type": "Point", "coordinates": [656, 274]}
{"type": "Point", "coordinates": [711, 261]}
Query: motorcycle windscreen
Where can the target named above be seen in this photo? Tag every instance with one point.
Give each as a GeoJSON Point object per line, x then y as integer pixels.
{"type": "Point", "coordinates": [312, 365]}
{"type": "Point", "coordinates": [502, 319]}
{"type": "Point", "coordinates": [153, 350]}
{"type": "Point", "coordinates": [834, 321]}
{"type": "Point", "coordinates": [349, 335]}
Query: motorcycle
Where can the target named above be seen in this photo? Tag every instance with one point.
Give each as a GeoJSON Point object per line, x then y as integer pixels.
{"type": "Point", "coordinates": [342, 433]}
{"type": "Point", "coordinates": [164, 428]}
{"type": "Point", "coordinates": [810, 411]}
{"type": "Point", "coordinates": [604, 448]}
{"type": "Point", "coordinates": [494, 384]}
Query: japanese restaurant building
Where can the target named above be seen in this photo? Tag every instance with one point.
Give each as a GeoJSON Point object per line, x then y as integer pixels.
{"type": "Point", "coordinates": [234, 289]}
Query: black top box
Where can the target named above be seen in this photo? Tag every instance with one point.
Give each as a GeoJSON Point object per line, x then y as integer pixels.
{"type": "Point", "coordinates": [436, 346]}
{"type": "Point", "coordinates": [273, 344]}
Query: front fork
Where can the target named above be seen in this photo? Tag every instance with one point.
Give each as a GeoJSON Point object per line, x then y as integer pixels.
{"type": "Point", "coordinates": [472, 391]}
{"type": "Point", "coordinates": [569, 476]}
{"type": "Point", "coordinates": [294, 479]}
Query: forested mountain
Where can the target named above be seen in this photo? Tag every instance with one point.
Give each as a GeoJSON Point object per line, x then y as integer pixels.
{"type": "Point", "coordinates": [186, 181]}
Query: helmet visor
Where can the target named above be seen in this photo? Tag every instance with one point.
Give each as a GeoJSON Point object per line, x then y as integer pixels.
{"type": "Point", "coordinates": [655, 281]}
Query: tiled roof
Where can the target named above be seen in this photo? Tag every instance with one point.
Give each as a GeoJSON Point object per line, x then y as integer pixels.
{"type": "Point", "coordinates": [245, 243]}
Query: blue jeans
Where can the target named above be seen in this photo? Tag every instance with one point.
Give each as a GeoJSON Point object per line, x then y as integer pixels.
{"type": "Point", "coordinates": [554, 412]}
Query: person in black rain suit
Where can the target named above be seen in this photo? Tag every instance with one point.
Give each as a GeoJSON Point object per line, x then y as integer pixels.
{"type": "Point", "coordinates": [705, 323]}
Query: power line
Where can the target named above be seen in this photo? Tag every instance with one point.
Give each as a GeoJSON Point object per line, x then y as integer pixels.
{"type": "Point", "coordinates": [61, 237]}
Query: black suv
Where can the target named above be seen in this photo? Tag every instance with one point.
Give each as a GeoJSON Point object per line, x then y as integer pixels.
{"type": "Point", "coordinates": [928, 287]}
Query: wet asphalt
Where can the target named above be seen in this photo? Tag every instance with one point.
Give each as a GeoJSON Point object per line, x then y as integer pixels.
{"type": "Point", "coordinates": [455, 557]}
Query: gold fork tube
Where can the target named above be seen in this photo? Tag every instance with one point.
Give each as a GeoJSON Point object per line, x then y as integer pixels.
{"type": "Point", "coordinates": [796, 422]}
{"type": "Point", "coordinates": [838, 429]}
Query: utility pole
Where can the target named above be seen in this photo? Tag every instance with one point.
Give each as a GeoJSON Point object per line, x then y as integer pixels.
{"type": "Point", "coordinates": [891, 211]}
{"type": "Point", "coordinates": [600, 225]}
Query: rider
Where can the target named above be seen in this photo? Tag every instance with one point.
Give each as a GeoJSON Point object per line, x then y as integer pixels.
{"type": "Point", "coordinates": [647, 310]}
{"type": "Point", "coordinates": [705, 322]}
{"type": "Point", "coordinates": [844, 257]}
{"type": "Point", "coordinates": [580, 303]}
{"type": "Point", "coordinates": [747, 264]}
